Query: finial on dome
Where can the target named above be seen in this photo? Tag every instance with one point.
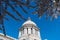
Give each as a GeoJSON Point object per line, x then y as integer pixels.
{"type": "Point", "coordinates": [29, 18]}
{"type": "Point", "coordinates": [29, 21]}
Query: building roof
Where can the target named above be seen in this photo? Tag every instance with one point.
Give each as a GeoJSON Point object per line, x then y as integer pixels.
{"type": "Point", "coordinates": [1, 34]}
{"type": "Point", "coordinates": [29, 22]}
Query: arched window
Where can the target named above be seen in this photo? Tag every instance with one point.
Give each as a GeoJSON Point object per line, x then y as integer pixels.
{"type": "Point", "coordinates": [23, 39]}
{"type": "Point", "coordinates": [31, 30]}
{"type": "Point", "coordinates": [34, 39]}
{"type": "Point", "coordinates": [23, 30]}
{"type": "Point", "coordinates": [27, 30]}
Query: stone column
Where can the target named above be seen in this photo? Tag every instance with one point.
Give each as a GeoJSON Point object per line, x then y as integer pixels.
{"type": "Point", "coordinates": [33, 31]}
{"type": "Point", "coordinates": [25, 30]}
{"type": "Point", "coordinates": [38, 33]}
{"type": "Point", "coordinates": [29, 30]}
{"type": "Point", "coordinates": [19, 34]}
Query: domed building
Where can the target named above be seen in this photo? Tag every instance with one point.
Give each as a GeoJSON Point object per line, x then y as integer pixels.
{"type": "Point", "coordinates": [29, 31]}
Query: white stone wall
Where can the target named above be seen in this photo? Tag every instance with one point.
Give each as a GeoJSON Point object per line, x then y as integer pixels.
{"type": "Point", "coordinates": [29, 37]}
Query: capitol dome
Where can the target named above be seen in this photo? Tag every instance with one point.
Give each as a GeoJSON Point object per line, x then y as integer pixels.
{"type": "Point", "coordinates": [29, 22]}
{"type": "Point", "coordinates": [29, 31]}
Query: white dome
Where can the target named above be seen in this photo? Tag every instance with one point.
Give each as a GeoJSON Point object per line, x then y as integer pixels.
{"type": "Point", "coordinates": [29, 22]}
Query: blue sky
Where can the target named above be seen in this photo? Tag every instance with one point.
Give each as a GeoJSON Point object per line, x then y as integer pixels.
{"type": "Point", "coordinates": [49, 29]}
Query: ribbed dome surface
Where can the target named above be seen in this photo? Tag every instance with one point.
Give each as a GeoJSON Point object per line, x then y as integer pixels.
{"type": "Point", "coordinates": [29, 22]}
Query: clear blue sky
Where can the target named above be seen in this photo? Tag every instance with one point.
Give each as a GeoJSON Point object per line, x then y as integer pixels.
{"type": "Point", "coordinates": [48, 29]}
